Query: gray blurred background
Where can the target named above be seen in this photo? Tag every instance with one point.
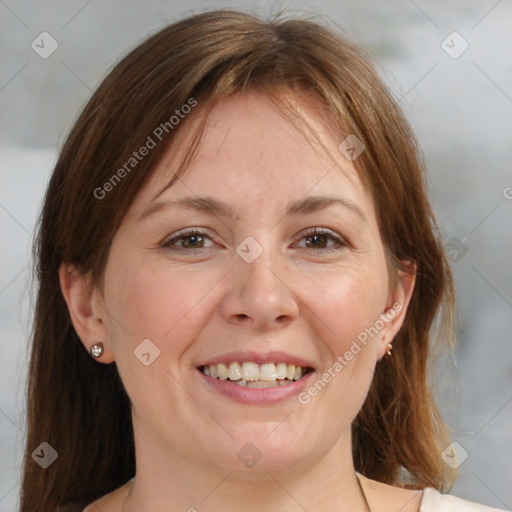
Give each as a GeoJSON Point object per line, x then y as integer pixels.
{"type": "Point", "coordinates": [456, 90]}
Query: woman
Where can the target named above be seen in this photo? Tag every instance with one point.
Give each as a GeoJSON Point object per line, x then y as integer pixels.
{"type": "Point", "coordinates": [239, 275]}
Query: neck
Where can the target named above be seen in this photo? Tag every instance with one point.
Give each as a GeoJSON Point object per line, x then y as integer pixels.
{"type": "Point", "coordinates": [166, 482]}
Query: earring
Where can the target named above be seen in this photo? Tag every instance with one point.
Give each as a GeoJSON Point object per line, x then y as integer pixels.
{"type": "Point", "coordinates": [389, 349]}
{"type": "Point", "coordinates": [96, 350]}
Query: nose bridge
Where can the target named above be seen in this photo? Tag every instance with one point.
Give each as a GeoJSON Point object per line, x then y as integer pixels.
{"type": "Point", "coordinates": [263, 271]}
{"type": "Point", "coordinates": [258, 291]}
{"type": "Point", "coordinates": [259, 265]}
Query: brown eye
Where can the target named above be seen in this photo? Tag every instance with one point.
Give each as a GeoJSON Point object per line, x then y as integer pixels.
{"type": "Point", "coordinates": [317, 241]}
{"type": "Point", "coordinates": [192, 241]}
{"type": "Point", "coordinates": [188, 241]}
{"type": "Point", "coordinates": [322, 240]}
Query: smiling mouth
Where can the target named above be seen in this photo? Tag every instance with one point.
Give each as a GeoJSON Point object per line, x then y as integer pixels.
{"type": "Point", "coordinates": [254, 375]}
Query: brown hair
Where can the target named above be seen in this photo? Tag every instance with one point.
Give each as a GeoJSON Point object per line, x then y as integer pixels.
{"type": "Point", "coordinates": [80, 407]}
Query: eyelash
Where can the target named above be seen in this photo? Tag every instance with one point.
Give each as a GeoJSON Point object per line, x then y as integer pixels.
{"type": "Point", "coordinates": [191, 232]}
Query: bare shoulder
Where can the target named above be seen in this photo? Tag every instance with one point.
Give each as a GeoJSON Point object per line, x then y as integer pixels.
{"type": "Point", "coordinates": [383, 498]}
{"type": "Point", "coordinates": [111, 502]}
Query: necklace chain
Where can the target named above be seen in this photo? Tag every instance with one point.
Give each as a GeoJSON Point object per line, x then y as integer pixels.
{"type": "Point", "coordinates": [363, 493]}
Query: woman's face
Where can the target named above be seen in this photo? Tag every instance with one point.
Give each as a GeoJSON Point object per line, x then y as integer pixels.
{"type": "Point", "coordinates": [265, 254]}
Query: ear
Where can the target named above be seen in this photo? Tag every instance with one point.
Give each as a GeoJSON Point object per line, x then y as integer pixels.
{"type": "Point", "coordinates": [86, 311]}
{"type": "Point", "coordinates": [396, 308]}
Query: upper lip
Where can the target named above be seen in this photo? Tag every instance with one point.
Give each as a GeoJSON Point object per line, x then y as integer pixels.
{"type": "Point", "coordinates": [259, 358]}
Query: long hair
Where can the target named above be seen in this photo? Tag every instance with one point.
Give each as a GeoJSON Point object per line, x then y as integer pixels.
{"type": "Point", "coordinates": [80, 407]}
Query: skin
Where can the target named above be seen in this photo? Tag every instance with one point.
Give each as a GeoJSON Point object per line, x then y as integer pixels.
{"type": "Point", "coordinates": [305, 299]}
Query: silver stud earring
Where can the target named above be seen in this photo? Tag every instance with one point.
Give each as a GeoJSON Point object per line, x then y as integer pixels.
{"type": "Point", "coordinates": [96, 350]}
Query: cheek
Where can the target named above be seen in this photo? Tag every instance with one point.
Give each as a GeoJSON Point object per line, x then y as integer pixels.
{"type": "Point", "coordinates": [155, 302]}
{"type": "Point", "coordinates": [345, 304]}
{"type": "Point", "coordinates": [164, 306]}
{"type": "Point", "coordinates": [346, 308]}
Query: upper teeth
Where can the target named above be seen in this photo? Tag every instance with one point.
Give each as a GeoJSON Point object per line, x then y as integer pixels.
{"type": "Point", "coordinates": [249, 371]}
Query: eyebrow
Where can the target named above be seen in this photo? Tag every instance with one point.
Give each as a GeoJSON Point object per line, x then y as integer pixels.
{"type": "Point", "coordinates": [217, 208]}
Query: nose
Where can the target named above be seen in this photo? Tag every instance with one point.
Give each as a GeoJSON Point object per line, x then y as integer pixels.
{"type": "Point", "coordinates": [260, 294]}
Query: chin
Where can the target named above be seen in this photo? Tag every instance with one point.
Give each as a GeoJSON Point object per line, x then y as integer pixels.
{"type": "Point", "coordinates": [260, 448]}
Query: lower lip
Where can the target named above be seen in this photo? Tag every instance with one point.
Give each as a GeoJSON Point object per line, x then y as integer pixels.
{"type": "Point", "coordinates": [257, 396]}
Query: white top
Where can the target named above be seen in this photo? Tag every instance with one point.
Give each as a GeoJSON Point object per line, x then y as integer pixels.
{"type": "Point", "coordinates": [434, 501]}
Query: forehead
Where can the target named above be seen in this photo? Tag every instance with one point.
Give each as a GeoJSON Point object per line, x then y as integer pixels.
{"type": "Point", "coordinates": [249, 149]}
